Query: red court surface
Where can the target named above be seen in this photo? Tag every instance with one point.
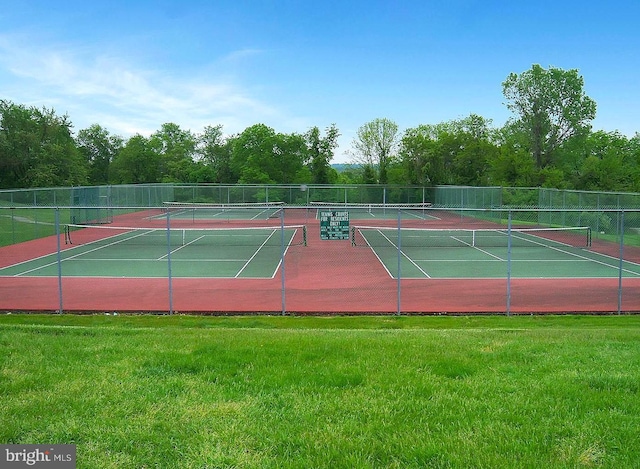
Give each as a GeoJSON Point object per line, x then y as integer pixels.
{"type": "Point", "coordinates": [324, 277]}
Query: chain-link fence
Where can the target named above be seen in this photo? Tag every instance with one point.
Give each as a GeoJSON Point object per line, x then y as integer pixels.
{"type": "Point", "coordinates": [338, 258]}
{"type": "Point", "coordinates": [462, 197]}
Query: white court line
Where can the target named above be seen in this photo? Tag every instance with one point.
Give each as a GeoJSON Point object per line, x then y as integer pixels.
{"type": "Point", "coordinates": [403, 254]}
{"type": "Point", "coordinates": [255, 253]}
{"type": "Point", "coordinates": [180, 247]}
{"type": "Point", "coordinates": [285, 253]}
{"type": "Point", "coordinates": [82, 253]}
{"type": "Point", "coordinates": [475, 247]}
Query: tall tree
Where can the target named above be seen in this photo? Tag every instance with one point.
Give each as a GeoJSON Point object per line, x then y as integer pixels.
{"type": "Point", "coordinates": [136, 163]}
{"type": "Point", "coordinates": [98, 148]}
{"type": "Point", "coordinates": [262, 156]}
{"type": "Point", "coordinates": [375, 145]}
{"type": "Point", "coordinates": [215, 152]}
{"type": "Point", "coordinates": [37, 148]}
{"type": "Point", "coordinates": [475, 148]}
{"type": "Point", "coordinates": [176, 148]}
{"type": "Point", "coordinates": [321, 152]}
{"type": "Point", "coordinates": [453, 152]}
{"type": "Point", "coordinates": [550, 106]}
{"type": "Point", "coordinates": [419, 152]}
{"type": "Point", "coordinates": [513, 165]}
{"type": "Point", "coordinates": [252, 156]}
{"type": "Point", "coordinates": [609, 163]}
{"type": "Point", "coordinates": [18, 144]}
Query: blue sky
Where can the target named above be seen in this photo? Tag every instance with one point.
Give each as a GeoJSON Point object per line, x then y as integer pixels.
{"type": "Point", "coordinates": [132, 66]}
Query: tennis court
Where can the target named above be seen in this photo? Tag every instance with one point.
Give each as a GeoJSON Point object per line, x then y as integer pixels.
{"type": "Point", "coordinates": [394, 259]}
{"type": "Point", "coordinates": [144, 253]}
{"type": "Point", "coordinates": [489, 253]}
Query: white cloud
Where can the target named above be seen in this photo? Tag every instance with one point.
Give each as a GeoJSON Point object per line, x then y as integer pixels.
{"type": "Point", "coordinates": [123, 97]}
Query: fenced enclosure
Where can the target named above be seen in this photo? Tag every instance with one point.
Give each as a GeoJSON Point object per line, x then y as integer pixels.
{"type": "Point", "coordinates": [419, 250]}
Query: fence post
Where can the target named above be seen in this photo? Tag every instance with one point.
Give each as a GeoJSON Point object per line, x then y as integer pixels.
{"type": "Point", "coordinates": [282, 252]}
{"type": "Point", "coordinates": [509, 265]}
{"type": "Point", "coordinates": [59, 259]}
{"type": "Point", "coordinates": [621, 224]}
{"type": "Point", "coordinates": [399, 258]}
{"type": "Point", "coordinates": [168, 212]}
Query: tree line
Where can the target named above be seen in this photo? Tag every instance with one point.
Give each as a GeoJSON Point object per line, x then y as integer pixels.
{"type": "Point", "coordinates": [548, 142]}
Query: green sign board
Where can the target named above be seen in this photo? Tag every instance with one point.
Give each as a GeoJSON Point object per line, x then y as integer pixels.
{"type": "Point", "coordinates": [334, 224]}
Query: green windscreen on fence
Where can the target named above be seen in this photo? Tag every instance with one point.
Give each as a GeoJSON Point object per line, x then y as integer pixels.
{"type": "Point", "coordinates": [467, 197]}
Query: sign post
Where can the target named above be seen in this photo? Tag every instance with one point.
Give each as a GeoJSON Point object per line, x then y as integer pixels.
{"type": "Point", "coordinates": [334, 224]}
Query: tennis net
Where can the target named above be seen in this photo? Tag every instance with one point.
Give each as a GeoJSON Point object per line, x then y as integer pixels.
{"type": "Point", "coordinates": [370, 236]}
{"type": "Point", "coordinates": [372, 211]}
{"type": "Point", "coordinates": [263, 211]}
{"type": "Point", "coordinates": [175, 237]}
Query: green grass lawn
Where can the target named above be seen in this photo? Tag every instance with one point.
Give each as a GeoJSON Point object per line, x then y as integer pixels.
{"type": "Point", "coordinates": [325, 392]}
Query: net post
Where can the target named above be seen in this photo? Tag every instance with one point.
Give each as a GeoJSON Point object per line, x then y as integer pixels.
{"type": "Point", "coordinates": [282, 252]}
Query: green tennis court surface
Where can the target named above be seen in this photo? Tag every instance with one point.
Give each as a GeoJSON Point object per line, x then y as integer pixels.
{"type": "Point", "coordinates": [221, 253]}
{"type": "Point", "coordinates": [561, 253]}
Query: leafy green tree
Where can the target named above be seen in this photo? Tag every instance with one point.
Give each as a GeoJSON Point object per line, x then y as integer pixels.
{"type": "Point", "coordinates": [291, 151]}
{"type": "Point", "coordinates": [423, 163]}
{"type": "Point", "coordinates": [37, 148]}
{"type": "Point", "coordinates": [350, 175]}
{"type": "Point", "coordinates": [137, 163]}
{"type": "Point", "coordinates": [609, 164]}
{"type": "Point", "coordinates": [512, 165]}
{"type": "Point", "coordinates": [262, 156]}
{"type": "Point", "coordinates": [454, 152]}
{"type": "Point", "coordinates": [252, 158]}
{"type": "Point", "coordinates": [201, 173]}
{"type": "Point", "coordinates": [176, 148]}
{"type": "Point", "coordinates": [375, 146]}
{"type": "Point", "coordinates": [474, 147]}
{"type": "Point", "coordinates": [98, 148]}
{"type": "Point", "coordinates": [214, 151]}
{"type": "Point", "coordinates": [471, 162]}
{"type": "Point", "coordinates": [321, 152]}
{"type": "Point", "coordinates": [550, 107]}
{"type": "Point", "coordinates": [634, 148]}
{"type": "Point", "coordinates": [18, 144]}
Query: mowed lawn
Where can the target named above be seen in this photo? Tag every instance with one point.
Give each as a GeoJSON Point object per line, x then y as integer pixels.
{"type": "Point", "coordinates": [325, 392]}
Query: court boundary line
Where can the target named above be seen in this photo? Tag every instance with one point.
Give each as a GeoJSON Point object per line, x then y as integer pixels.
{"type": "Point", "coordinates": [183, 215]}
{"type": "Point", "coordinates": [76, 255]}
{"type": "Point", "coordinates": [140, 232]}
{"type": "Point", "coordinates": [255, 253]}
{"type": "Point", "coordinates": [286, 250]}
{"type": "Point", "coordinates": [401, 252]}
{"type": "Point", "coordinates": [476, 247]}
{"type": "Point", "coordinates": [119, 277]}
{"type": "Point", "coordinates": [271, 278]}
{"type": "Point", "coordinates": [180, 247]}
{"type": "Point", "coordinates": [497, 258]}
